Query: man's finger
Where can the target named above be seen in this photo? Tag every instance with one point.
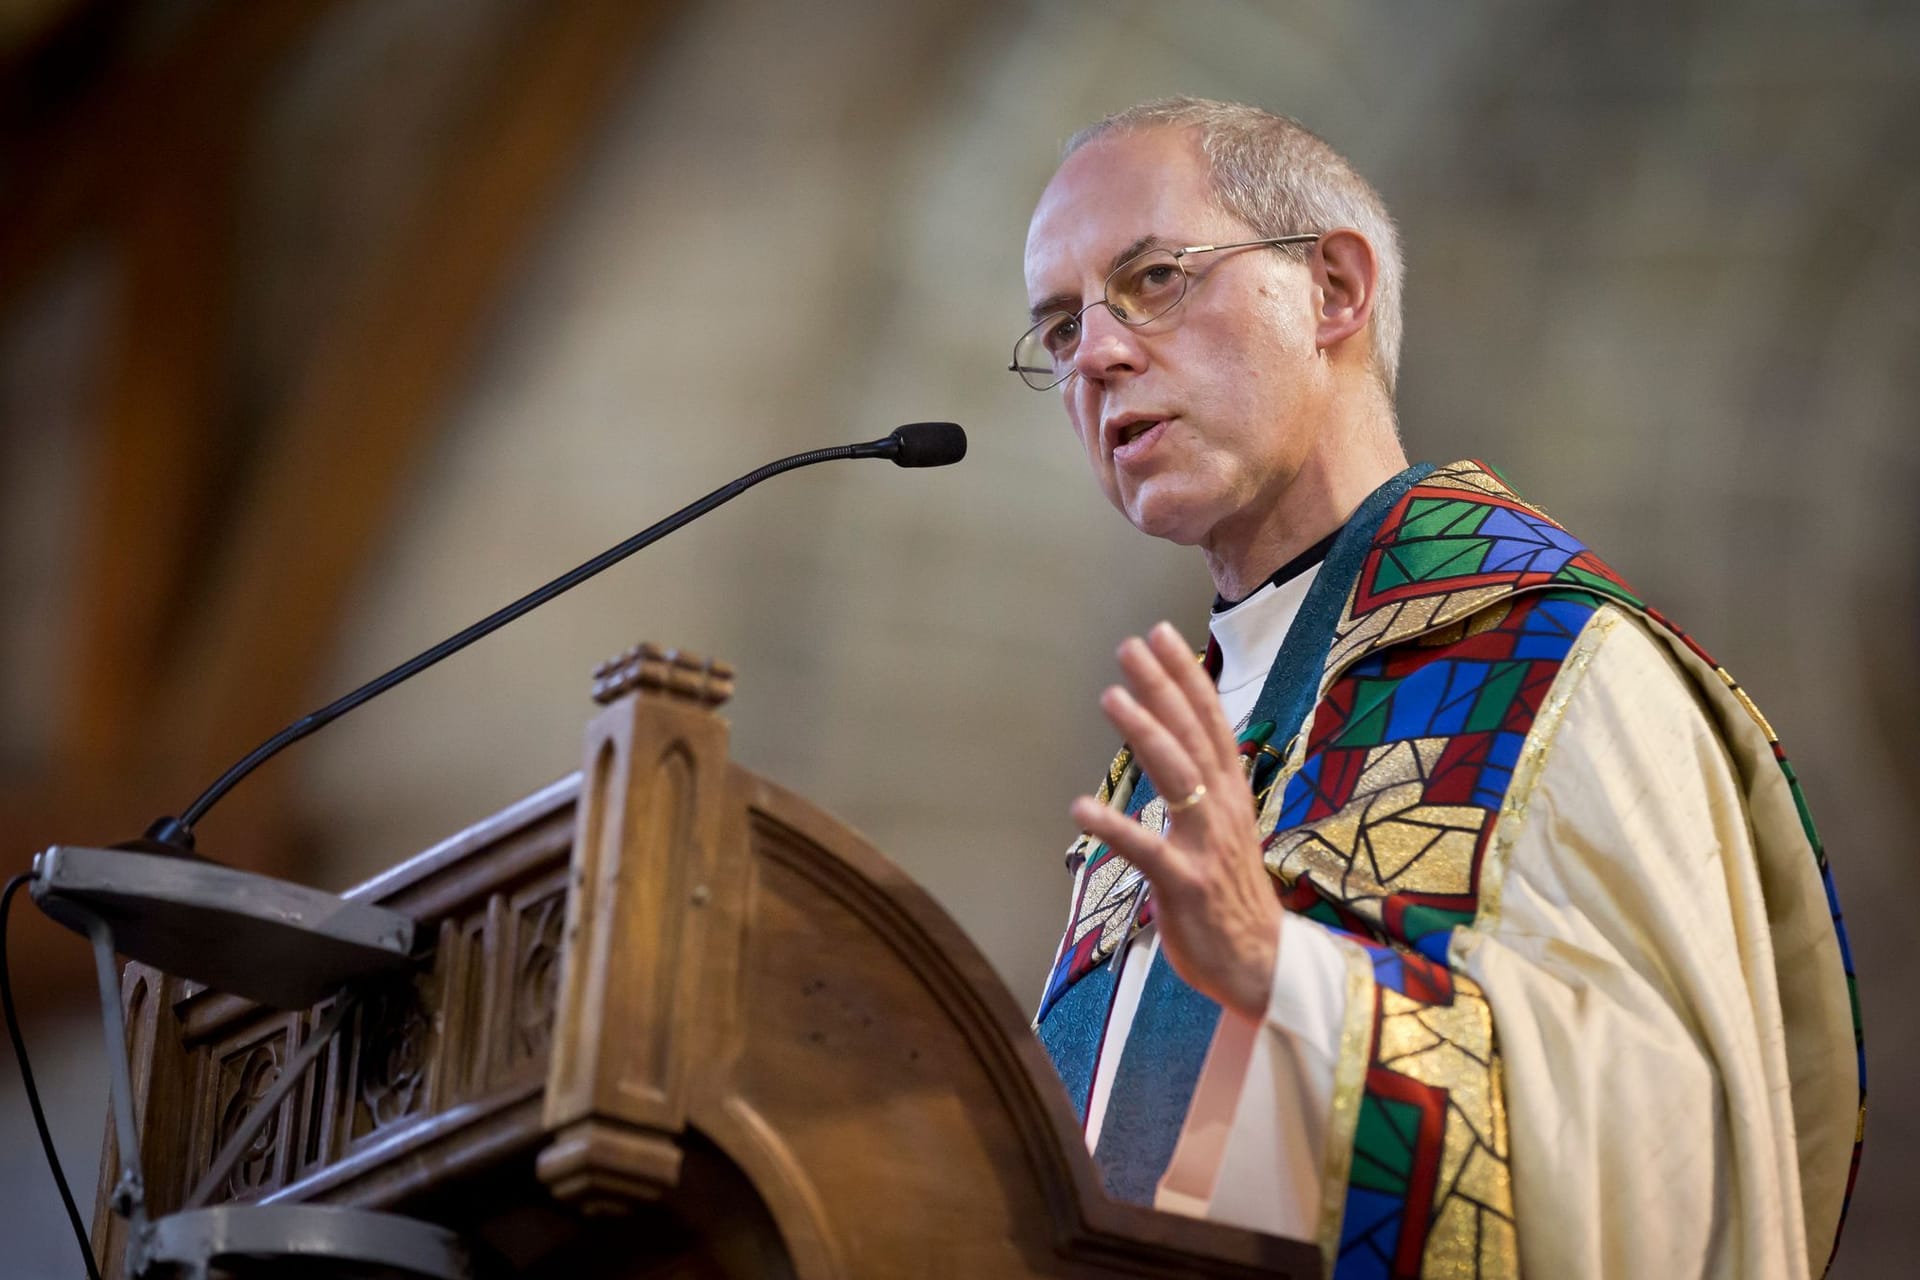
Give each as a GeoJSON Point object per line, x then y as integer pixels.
{"type": "Point", "coordinates": [1166, 701]}
{"type": "Point", "coordinates": [1157, 859]}
{"type": "Point", "coordinates": [1176, 659]}
{"type": "Point", "coordinates": [1166, 761]}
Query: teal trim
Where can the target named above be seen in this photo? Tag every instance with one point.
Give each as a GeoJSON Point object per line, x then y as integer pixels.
{"type": "Point", "coordinates": [1154, 1083]}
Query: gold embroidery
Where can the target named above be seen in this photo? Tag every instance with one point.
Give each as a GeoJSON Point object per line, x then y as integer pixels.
{"type": "Point", "coordinates": [1101, 882]}
{"type": "Point", "coordinates": [1471, 476]}
{"type": "Point", "coordinates": [1384, 840]}
{"type": "Point", "coordinates": [1110, 900]}
{"type": "Point", "coordinates": [1747, 702]}
{"type": "Point", "coordinates": [1154, 816]}
{"type": "Point", "coordinates": [1349, 1083]}
{"type": "Point", "coordinates": [1452, 1047]}
{"type": "Point", "coordinates": [1294, 756]}
{"type": "Point", "coordinates": [1119, 782]}
{"type": "Point", "coordinates": [1122, 761]}
{"type": "Point", "coordinates": [1390, 624]}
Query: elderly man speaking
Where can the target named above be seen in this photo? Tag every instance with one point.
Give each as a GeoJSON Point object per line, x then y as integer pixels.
{"type": "Point", "coordinates": [1456, 910]}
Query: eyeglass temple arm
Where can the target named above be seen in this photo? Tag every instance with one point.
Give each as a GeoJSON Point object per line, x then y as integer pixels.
{"type": "Point", "coordinates": [1303, 238]}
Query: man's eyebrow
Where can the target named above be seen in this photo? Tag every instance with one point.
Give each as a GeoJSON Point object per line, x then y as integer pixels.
{"type": "Point", "coordinates": [1065, 301]}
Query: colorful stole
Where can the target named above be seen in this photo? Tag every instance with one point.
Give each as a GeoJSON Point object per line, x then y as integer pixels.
{"type": "Point", "coordinates": [1461, 606]}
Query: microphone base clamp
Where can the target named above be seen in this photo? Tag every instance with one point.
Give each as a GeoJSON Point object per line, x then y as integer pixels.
{"type": "Point", "coordinates": [271, 941]}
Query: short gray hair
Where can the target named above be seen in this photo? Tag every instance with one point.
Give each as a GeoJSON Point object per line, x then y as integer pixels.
{"type": "Point", "coordinates": [1279, 177]}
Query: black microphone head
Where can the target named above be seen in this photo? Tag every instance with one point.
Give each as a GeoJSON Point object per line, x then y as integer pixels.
{"type": "Point", "coordinates": [929, 444]}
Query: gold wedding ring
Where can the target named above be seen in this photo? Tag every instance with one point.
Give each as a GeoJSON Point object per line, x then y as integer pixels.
{"type": "Point", "coordinates": [1194, 797]}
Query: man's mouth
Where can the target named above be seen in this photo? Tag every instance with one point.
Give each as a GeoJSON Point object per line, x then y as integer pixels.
{"type": "Point", "coordinates": [1134, 437]}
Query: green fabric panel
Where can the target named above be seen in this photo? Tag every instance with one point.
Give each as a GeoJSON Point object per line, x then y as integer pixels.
{"type": "Point", "coordinates": [1441, 558]}
{"type": "Point", "coordinates": [1611, 590]}
{"type": "Point", "coordinates": [1496, 696]}
{"type": "Point", "coordinates": [1367, 722]}
{"type": "Point", "coordinates": [1384, 1137]}
{"type": "Point", "coordinates": [1323, 911]}
{"type": "Point", "coordinates": [1420, 920]}
{"type": "Point", "coordinates": [1389, 575]}
{"type": "Point", "coordinates": [1367, 730]}
{"type": "Point", "coordinates": [1441, 517]}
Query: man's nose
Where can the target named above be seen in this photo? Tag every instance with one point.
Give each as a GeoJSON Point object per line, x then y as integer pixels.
{"type": "Point", "coordinates": [1106, 346]}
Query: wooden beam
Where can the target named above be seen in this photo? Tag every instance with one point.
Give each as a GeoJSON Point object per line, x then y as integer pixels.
{"type": "Point", "coordinates": [160, 413]}
{"type": "Point", "coordinates": [72, 176]}
{"type": "Point", "coordinates": [147, 165]}
{"type": "Point", "coordinates": [362, 415]}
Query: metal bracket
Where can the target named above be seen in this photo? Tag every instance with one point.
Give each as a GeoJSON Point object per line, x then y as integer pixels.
{"type": "Point", "coordinates": [194, 1244]}
{"type": "Point", "coordinates": [272, 941]}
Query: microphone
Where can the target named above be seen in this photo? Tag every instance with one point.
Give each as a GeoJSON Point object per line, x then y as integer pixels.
{"type": "Point", "coordinates": [917, 444]}
{"type": "Point", "coordinates": [282, 943]}
{"type": "Point", "coordinates": [928, 444]}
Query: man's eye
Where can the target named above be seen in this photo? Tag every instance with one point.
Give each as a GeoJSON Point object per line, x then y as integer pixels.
{"type": "Point", "coordinates": [1158, 276]}
{"type": "Point", "coordinates": [1062, 335]}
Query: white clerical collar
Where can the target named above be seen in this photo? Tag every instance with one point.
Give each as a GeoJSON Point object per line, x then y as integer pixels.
{"type": "Point", "coordinates": [1250, 633]}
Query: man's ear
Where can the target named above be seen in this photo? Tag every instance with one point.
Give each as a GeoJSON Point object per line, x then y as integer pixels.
{"type": "Point", "coordinates": [1344, 276]}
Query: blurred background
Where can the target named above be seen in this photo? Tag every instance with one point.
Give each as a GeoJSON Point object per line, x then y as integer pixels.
{"type": "Point", "coordinates": [326, 326]}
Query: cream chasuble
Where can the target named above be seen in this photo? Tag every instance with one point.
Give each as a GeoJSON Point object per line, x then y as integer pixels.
{"type": "Point", "coordinates": [1562, 986]}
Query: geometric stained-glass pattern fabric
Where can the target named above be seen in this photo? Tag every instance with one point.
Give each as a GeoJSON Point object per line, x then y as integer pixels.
{"type": "Point", "coordinates": [1383, 833]}
{"type": "Point", "coordinates": [1429, 1190]}
{"type": "Point", "coordinates": [1456, 543]}
{"type": "Point", "coordinates": [1462, 615]}
{"type": "Point", "coordinates": [1109, 903]}
{"type": "Point", "coordinates": [1409, 757]}
{"type": "Point", "coordinates": [1460, 540]}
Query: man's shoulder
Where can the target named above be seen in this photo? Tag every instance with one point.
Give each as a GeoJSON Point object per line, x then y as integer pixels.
{"type": "Point", "coordinates": [1461, 554]}
{"type": "Point", "coordinates": [1456, 549]}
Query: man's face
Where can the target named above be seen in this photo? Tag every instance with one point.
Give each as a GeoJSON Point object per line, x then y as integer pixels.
{"type": "Point", "coordinates": [1194, 424]}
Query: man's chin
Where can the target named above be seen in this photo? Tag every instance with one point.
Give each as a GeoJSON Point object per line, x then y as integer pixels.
{"type": "Point", "coordinates": [1160, 516]}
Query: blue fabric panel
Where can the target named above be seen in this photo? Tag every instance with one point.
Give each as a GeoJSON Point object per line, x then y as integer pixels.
{"type": "Point", "coordinates": [1389, 969]}
{"type": "Point", "coordinates": [1073, 1029]}
{"type": "Point", "coordinates": [1369, 1231]}
{"type": "Point", "coordinates": [1434, 945]}
{"type": "Point", "coordinates": [1154, 1083]}
{"type": "Point", "coordinates": [1503, 753]}
{"type": "Point", "coordinates": [1522, 544]}
{"type": "Point", "coordinates": [1463, 682]}
{"type": "Point", "coordinates": [1298, 797]}
{"type": "Point", "coordinates": [1414, 701]}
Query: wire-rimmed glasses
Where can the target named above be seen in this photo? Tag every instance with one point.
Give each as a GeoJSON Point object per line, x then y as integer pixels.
{"type": "Point", "coordinates": [1138, 291]}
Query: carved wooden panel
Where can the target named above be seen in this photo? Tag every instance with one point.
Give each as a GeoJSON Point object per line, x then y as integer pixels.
{"type": "Point", "coordinates": [233, 1075]}
{"type": "Point", "coordinates": [388, 1053]}
{"type": "Point", "coordinates": [538, 923]}
{"type": "Point", "coordinates": [415, 1048]}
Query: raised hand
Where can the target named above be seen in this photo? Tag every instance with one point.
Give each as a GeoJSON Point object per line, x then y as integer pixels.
{"type": "Point", "coordinates": [1215, 906]}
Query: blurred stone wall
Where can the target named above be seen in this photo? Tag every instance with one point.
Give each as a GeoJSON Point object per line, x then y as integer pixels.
{"type": "Point", "coordinates": [1662, 262]}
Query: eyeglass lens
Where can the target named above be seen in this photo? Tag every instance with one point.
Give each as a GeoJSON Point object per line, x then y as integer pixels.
{"type": "Point", "coordinates": [1140, 290]}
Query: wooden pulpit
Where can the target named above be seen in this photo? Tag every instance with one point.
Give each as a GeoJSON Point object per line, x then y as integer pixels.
{"type": "Point", "coordinates": [673, 1021]}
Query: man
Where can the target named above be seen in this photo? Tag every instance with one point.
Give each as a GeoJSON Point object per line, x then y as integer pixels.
{"type": "Point", "coordinates": [1520, 955]}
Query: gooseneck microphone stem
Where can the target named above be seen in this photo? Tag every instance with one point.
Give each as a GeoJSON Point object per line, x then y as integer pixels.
{"type": "Point", "coordinates": [921, 444]}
